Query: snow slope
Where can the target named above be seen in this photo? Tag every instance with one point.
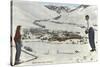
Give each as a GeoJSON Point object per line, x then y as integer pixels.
{"type": "Point", "coordinates": [78, 16]}
{"type": "Point", "coordinates": [25, 13]}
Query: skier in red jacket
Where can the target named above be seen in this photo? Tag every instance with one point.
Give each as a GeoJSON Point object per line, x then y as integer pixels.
{"type": "Point", "coordinates": [17, 39]}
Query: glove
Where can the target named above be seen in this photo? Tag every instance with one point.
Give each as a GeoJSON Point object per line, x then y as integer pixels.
{"type": "Point", "coordinates": [86, 31]}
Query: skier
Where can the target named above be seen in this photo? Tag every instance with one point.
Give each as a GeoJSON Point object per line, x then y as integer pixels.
{"type": "Point", "coordinates": [91, 34]}
{"type": "Point", "coordinates": [18, 44]}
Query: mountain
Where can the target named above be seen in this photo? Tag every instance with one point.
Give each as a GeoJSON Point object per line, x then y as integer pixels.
{"type": "Point", "coordinates": [67, 9]}
{"type": "Point", "coordinates": [25, 12]}
{"type": "Point", "coordinates": [81, 7]}
{"type": "Point", "coordinates": [77, 16]}
{"type": "Point", "coordinates": [58, 9]}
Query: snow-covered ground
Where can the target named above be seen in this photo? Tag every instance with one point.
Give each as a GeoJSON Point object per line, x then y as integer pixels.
{"type": "Point", "coordinates": [49, 53]}
{"type": "Point", "coordinates": [36, 15]}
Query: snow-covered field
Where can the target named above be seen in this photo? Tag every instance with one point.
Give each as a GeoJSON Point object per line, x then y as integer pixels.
{"type": "Point", "coordinates": [37, 15]}
{"type": "Point", "coordinates": [48, 53]}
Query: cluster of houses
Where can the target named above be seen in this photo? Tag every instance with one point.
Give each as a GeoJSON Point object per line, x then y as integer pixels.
{"type": "Point", "coordinates": [49, 35]}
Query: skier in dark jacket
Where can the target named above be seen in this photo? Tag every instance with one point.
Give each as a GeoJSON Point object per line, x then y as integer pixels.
{"type": "Point", "coordinates": [91, 34]}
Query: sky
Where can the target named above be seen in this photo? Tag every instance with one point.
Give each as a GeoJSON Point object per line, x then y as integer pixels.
{"type": "Point", "coordinates": [61, 4]}
{"type": "Point", "coordinates": [70, 5]}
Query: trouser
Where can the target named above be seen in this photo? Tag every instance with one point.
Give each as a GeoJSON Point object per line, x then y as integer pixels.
{"type": "Point", "coordinates": [18, 51]}
{"type": "Point", "coordinates": [92, 41]}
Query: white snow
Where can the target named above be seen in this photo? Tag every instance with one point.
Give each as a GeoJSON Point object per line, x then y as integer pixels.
{"type": "Point", "coordinates": [57, 53]}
